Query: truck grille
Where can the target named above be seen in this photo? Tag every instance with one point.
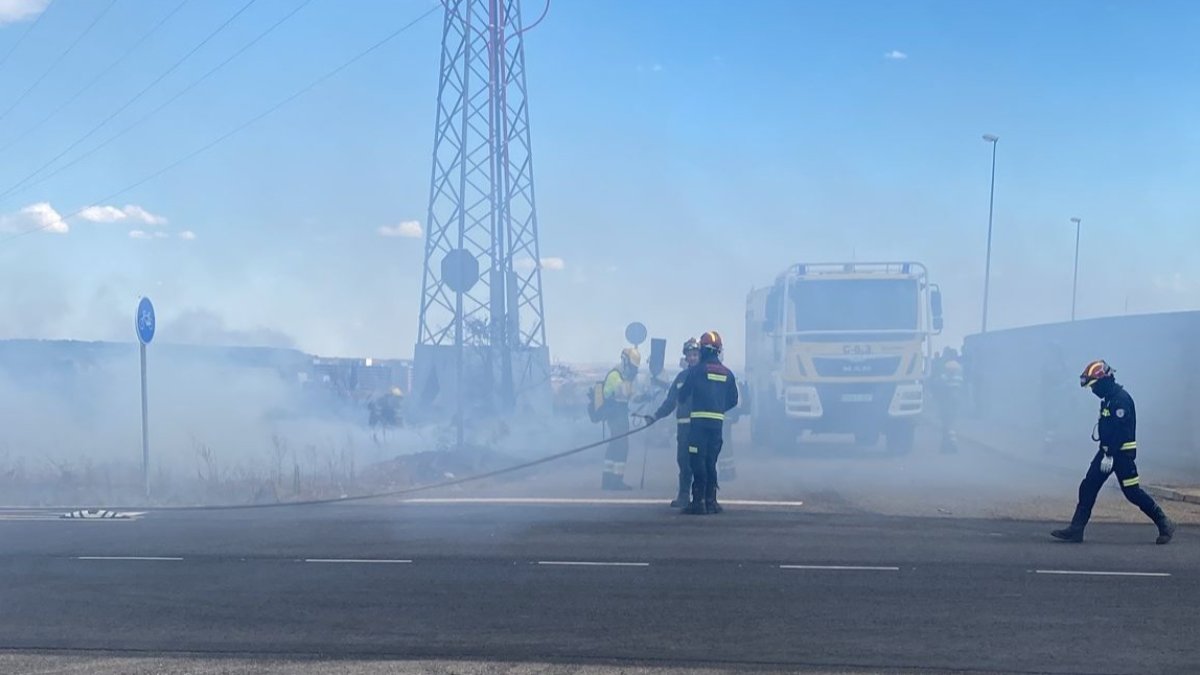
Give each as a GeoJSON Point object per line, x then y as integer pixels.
{"type": "Point", "coordinates": [879, 366]}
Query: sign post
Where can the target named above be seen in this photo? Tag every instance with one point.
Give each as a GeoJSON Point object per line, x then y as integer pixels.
{"type": "Point", "coordinates": [143, 323]}
{"type": "Point", "coordinates": [460, 272]}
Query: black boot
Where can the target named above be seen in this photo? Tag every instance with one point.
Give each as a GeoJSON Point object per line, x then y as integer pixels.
{"type": "Point", "coordinates": [680, 501]}
{"type": "Point", "coordinates": [713, 507]}
{"type": "Point", "coordinates": [1070, 534]}
{"type": "Point", "coordinates": [696, 509]}
{"type": "Point", "coordinates": [1166, 530]}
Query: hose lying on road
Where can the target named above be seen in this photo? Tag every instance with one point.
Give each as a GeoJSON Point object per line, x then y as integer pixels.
{"type": "Point", "coordinates": [389, 493]}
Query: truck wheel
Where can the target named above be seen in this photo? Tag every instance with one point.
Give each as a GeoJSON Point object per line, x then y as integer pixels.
{"type": "Point", "coordinates": [901, 438]}
{"type": "Point", "coordinates": [761, 439]}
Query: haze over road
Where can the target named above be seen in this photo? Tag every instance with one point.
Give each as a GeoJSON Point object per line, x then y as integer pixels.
{"type": "Point", "coordinates": [623, 585]}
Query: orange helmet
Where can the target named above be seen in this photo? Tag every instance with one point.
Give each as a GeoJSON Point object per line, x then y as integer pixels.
{"type": "Point", "coordinates": [711, 340]}
{"type": "Point", "coordinates": [1094, 372]}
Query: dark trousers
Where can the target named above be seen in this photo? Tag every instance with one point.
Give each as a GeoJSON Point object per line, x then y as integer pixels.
{"type": "Point", "coordinates": [1125, 468]}
{"type": "Point", "coordinates": [684, 459]}
{"type": "Point", "coordinates": [704, 446]}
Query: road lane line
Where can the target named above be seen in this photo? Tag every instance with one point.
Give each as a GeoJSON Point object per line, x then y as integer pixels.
{"type": "Point", "coordinates": [357, 561]}
{"type": "Point", "coordinates": [127, 557]}
{"type": "Point", "coordinates": [840, 567]}
{"type": "Point", "coordinates": [589, 502]}
{"type": "Point", "coordinates": [592, 564]}
{"type": "Point", "coordinates": [1086, 573]}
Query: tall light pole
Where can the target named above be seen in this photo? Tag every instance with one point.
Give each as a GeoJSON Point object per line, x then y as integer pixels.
{"type": "Point", "coordinates": [987, 269]}
{"type": "Point", "coordinates": [1075, 282]}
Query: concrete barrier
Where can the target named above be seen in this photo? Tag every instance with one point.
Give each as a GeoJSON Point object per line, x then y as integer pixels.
{"type": "Point", "coordinates": [1027, 379]}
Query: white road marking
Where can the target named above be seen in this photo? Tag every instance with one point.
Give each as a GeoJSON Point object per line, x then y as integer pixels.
{"type": "Point", "coordinates": [840, 567]}
{"type": "Point", "coordinates": [569, 501]}
{"type": "Point", "coordinates": [360, 561]}
{"type": "Point", "coordinates": [593, 564]}
{"type": "Point", "coordinates": [126, 557]}
{"type": "Point", "coordinates": [33, 515]}
{"type": "Point", "coordinates": [1103, 574]}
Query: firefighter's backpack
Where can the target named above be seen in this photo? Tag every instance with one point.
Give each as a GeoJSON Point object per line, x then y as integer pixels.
{"type": "Point", "coordinates": [595, 403]}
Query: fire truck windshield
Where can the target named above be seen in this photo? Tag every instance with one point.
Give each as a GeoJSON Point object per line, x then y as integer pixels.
{"type": "Point", "coordinates": [855, 304]}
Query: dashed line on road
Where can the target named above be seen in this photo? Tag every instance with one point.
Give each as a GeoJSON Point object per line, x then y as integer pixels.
{"type": "Point", "coordinates": [1086, 573]}
{"type": "Point", "coordinates": [358, 561]}
{"type": "Point", "coordinates": [857, 568]}
{"type": "Point", "coordinates": [128, 557]}
{"type": "Point", "coordinates": [578, 563]}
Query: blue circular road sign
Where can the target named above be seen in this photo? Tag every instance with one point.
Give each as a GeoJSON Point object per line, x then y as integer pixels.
{"type": "Point", "coordinates": [144, 322]}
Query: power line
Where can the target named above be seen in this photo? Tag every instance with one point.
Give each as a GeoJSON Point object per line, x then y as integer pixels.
{"type": "Point", "coordinates": [131, 101]}
{"type": "Point", "coordinates": [132, 48]}
{"type": "Point", "coordinates": [59, 59]}
{"type": "Point", "coordinates": [25, 34]}
{"type": "Point", "coordinates": [204, 148]}
{"type": "Point", "coordinates": [164, 104]}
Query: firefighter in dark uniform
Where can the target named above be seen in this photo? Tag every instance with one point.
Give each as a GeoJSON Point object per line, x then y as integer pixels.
{"type": "Point", "coordinates": [711, 391]}
{"type": "Point", "coordinates": [1116, 433]}
{"type": "Point", "coordinates": [683, 418]}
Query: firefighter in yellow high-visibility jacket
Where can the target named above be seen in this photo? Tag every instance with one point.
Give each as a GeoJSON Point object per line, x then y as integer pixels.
{"type": "Point", "coordinates": [618, 390]}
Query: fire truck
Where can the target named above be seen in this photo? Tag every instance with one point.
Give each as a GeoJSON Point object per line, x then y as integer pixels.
{"type": "Point", "coordinates": [841, 348]}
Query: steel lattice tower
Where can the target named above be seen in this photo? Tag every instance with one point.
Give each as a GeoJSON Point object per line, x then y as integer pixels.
{"type": "Point", "coordinates": [482, 318]}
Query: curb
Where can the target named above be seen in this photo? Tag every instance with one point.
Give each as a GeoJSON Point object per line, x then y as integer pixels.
{"type": "Point", "coordinates": [1171, 494]}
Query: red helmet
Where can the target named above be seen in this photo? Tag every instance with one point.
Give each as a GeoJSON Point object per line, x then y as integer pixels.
{"type": "Point", "coordinates": [1094, 372]}
{"type": "Point", "coordinates": [711, 340]}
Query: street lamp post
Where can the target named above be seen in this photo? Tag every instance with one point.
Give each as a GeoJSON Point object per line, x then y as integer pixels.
{"type": "Point", "coordinates": [987, 269]}
{"type": "Point", "coordinates": [1075, 282]}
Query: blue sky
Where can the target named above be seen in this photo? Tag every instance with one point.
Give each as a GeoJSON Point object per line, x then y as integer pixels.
{"type": "Point", "coordinates": [684, 152]}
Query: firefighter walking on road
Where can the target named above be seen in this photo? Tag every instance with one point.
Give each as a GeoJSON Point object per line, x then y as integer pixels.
{"type": "Point", "coordinates": [683, 418]}
{"type": "Point", "coordinates": [1116, 433]}
{"type": "Point", "coordinates": [618, 390]}
{"type": "Point", "coordinates": [711, 391]}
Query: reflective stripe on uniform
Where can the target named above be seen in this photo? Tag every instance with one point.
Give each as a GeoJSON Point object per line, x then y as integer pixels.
{"type": "Point", "coordinates": [609, 465]}
{"type": "Point", "coordinates": [708, 416]}
{"type": "Point", "coordinates": [683, 420]}
{"type": "Point", "coordinates": [1131, 445]}
{"type": "Point", "coordinates": [1130, 482]}
{"type": "Point", "coordinates": [693, 450]}
{"type": "Point", "coordinates": [619, 468]}
{"type": "Point", "coordinates": [716, 377]}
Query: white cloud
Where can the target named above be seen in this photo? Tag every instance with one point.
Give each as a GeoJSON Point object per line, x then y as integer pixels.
{"type": "Point", "coordinates": [138, 213]}
{"type": "Point", "coordinates": [40, 216]}
{"type": "Point", "coordinates": [112, 214]}
{"type": "Point", "coordinates": [102, 214]}
{"type": "Point", "coordinates": [142, 234]}
{"type": "Point", "coordinates": [13, 11]}
{"type": "Point", "coordinates": [409, 229]}
{"type": "Point", "coordinates": [526, 264]}
{"type": "Point", "coordinates": [188, 235]}
{"type": "Point", "coordinates": [895, 55]}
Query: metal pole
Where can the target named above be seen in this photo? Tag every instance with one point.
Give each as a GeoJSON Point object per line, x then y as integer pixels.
{"type": "Point", "coordinates": [987, 271]}
{"type": "Point", "coordinates": [458, 370]}
{"type": "Point", "coordinates": [145, 429]}
{"type": "Point", "coordinates": [1075, 282]}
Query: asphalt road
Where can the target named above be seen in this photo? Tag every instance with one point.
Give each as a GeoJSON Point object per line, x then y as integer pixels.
{"type": "Point", "coordinates": [632, 585]}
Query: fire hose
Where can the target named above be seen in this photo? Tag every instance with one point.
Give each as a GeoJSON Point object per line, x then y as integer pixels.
{"type": "Point", "coordinates": [389, 493]}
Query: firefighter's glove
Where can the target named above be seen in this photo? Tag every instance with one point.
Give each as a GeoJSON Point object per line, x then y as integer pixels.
{"type": "Point", "coordinates": [646, 419]}
{"type": "Point", "coordinates": [1106, 464]}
